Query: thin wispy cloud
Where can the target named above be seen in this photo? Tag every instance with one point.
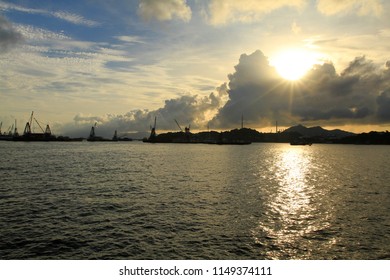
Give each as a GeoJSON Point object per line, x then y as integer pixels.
{"type": "Point", "coordinates": [221, 12]}
{"type": "Point", "coordinates": [75, 19]}
{"type": "Point", "coordinates": [361, 7]}
{"type": "Point", "coordinates": [130, 39]}
{"type": "Point", "coordinates": [69, 17]}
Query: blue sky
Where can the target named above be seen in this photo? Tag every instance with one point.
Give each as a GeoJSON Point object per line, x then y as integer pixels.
{"type": "Point", "coordinates": [120, 63]}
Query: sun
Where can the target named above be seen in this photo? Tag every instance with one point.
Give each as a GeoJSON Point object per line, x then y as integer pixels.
{"type": "Point", "coordinates": [293, 64]}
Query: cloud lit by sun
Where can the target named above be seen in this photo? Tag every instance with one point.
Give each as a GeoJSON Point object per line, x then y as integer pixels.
{"type": "Point", "coordinates": [293, 64]}
{"type": "Point", "coordinates": [200, 62]}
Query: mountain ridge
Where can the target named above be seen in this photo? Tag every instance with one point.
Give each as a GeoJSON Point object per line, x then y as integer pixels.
{"type": "Point", "coordinates": [318, 131]}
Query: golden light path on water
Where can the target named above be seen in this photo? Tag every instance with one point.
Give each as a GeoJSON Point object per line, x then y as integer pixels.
{"type": "Point", "coordinates": [139, 201]}
{"type": "Point", "coordinates": [294, 209]}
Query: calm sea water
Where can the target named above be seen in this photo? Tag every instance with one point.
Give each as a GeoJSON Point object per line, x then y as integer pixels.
{"type": "Point", "coordinates": [133, 200]}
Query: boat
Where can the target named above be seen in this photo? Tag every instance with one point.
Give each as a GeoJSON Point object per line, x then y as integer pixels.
{"type": "Point", "coordinates": [116, 138]}
{"type": "Point", "coordinates": [6, 137]}
{"type": "Point", "coordinates": [12, 132]}
{"type": "Point", "coordinates": [30, 135]}
{"type": "Point", "coordinates": [152, 136]}
{"type": "Point", "coordinates": [93, 137]}
{"type": "Point", "coordinates": [300, 142]}
{"type": "Point", "coordinates": [238, 142]}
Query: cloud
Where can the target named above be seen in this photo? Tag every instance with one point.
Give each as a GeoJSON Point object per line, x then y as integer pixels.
{"type": "Point", "coordinates": [361, 7]}
{"type": "Point", "coordinates": [51, 69]}
{"type": "Point", "coordinates": [295, 28]}
{"type": "Point", "coordinates": [188, 109]}
{"type": "Point", "coordinates": [164, 10]}
{"type": "Point", "coordinates": [130, 39]}
{"type": "Point", "coordinates": [383, 102]}
{"type": "Point", "coordinates": [31, 33]}
{"type": "Point", "coordinates": [69, 17]}
{"type": "Point", "coordinates": [359, 95]}
{"type": "Point", "coordinates": [74, 18]}
{"type": "Point", "coordinates": [221, 12]}
{"type": "Point", "coordinates": [9, 36]}
{"type": "Point", "coordinates": [253, 91]}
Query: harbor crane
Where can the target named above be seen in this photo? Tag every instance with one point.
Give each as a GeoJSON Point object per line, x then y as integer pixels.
{"type": "Point", "coordinates": [181, 130]}
{"type": "Point", "coordinates": [186, 129]}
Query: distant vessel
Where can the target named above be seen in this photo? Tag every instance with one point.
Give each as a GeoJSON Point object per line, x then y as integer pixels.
{"type": "Point", "coordinates": [12, 132]}
{"type": "Point", "coordinates": [115, 138]}
{"type": "Point", "coordinates": [92, 136]}
{"type": "Point", "coordinates": [30, 135]}
{"type": "Point", "coordinates": [300, 141]}
{"type": "Point", "coordinates": [152, 136]}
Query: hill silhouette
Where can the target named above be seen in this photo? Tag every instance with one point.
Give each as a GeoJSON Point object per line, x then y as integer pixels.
{"type": "Point", "coordinates": [318, 131]}
{"type": "Point", "coordinates": [314, 134]}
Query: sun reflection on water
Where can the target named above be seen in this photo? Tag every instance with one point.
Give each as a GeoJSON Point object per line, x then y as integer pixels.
{"type": "Point", "coordinates": [293, 194]}
{"type": "Point", "coordinates": [290, 213]}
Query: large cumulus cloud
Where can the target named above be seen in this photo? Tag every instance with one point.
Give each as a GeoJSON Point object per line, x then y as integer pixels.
{"type": "Point", "coordinates": [252, 92]}
{"type": "Point", "coordinates": [192, 110]}
{"type": "Point", "coordinates": [358, 95]}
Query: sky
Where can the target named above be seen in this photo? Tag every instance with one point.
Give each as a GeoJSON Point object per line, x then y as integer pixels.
{"type": "Point", "coordinates": [121, 63]}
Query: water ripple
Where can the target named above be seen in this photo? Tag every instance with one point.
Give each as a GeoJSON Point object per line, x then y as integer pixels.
{"type": "Point", "coordinates": [140, 201]}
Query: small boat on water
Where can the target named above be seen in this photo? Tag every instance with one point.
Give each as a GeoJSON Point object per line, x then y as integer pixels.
{"type": "Point", "coordinates": [301, 142]}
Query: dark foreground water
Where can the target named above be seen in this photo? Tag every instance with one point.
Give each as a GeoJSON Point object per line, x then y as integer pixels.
{"type": "Point", "coordinates": [132, 200]}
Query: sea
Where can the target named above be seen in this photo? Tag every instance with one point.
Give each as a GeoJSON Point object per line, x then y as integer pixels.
{"type": "Point", "coordinates": [143, 201]}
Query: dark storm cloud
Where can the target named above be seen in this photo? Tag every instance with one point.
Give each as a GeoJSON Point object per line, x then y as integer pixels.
{"type": "Point", "coordinates": [383, 102]}
{"type": "Point", "coordinates": [360, 94]}
{"type": "Point", "coordinates": [9, 37]}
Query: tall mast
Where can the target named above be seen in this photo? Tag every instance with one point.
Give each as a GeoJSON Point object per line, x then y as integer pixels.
{"type": "Point", "coordinates": [153, 129]}
{"type": "Point", "coordinates": [16, 129]}
{"type": "Point", "coordinates": [242, 121]}
{"type": "Point", "coordinates": [31, 119]}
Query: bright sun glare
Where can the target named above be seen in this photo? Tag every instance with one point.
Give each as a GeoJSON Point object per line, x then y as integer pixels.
{"type": "Point", "coordinates": [293, 64]}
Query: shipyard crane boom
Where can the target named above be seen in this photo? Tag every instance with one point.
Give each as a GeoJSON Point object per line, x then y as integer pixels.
{"type": "Point", "coordinates": [153, 129]}
{"type": "Point", "coordinates": [39, 125]}
{"type": "Point", "coordinates": [178, 125]}
{"type": "Point", "coordinates": [16, 130]}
